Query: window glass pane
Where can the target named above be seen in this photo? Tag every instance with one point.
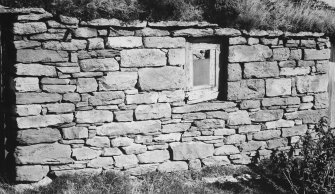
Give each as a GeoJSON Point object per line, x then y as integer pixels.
{"type": "Point", "coordinates": [201, 67]}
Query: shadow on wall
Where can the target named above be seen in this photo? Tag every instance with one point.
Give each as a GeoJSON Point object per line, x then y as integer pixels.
{"type": "Point", "coordinates": [7, 133]}
{"type": "Point", "coordinates": [223, 75]}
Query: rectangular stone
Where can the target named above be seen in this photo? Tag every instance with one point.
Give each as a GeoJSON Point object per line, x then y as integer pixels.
{"type": "Point", "coordinates": [43, 121]}
{"type": "Point", "coordinates": [143, 98]}
{"type": "Point", "coordinates": [164, 42]}
{"type": "Point", "coordinates": [312, 83]}
{"type": "Point", "coordinates": [33, 56]}
{"type": "Point", "coordinates": [124, 42]}
{"type": "Point", "coordinates": [267, 115]}
{"type": "Point", "coordinates": [29, 28]}
{"type": "Point", "coordinates": [246, 89]}
{"type": "Point", "coordinates": [36, 98]}
{"type": "Point", "coordinates": [108, 64]}
{"type": "Point", "coordinates": [118, 81]}
{"type": "Point", "coordinates": [313, 54]}
{"type": "Point", "coordinates": [243, 53]}
{"type": "Point", "coordinates": [261, 70]}
{"type": "Point", "coordinates": [204, 107]}
{"type": "Point", "coordinates": [278, 87]}
{"type": "Point", "coordinates": [154, 111]}
{"type": "Point", "coordinates": [143, 58]}
{"type": "Point", "coordinates": [35, 70]}
{"type": "Point", "coordinates": [294, 71]}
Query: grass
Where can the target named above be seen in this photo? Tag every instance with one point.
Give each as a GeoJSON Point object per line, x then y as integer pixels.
{"type": "Point", "coordinates": [286, 15]}
{"type": "Point", "coordinates": [156, 182]}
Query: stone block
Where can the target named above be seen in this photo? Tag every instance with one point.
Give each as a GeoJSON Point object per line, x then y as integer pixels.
{"type": "Point", "coordinates": [122, 141]}
{"type": "Point", "coordinates": [75, 133]}
{"type": "Point", "coordinates": [249, 129]}
{"type": "Point", "coordinates": [101, 142]}
{"type": "Point", "coordinates": [216, 161]}
{"type": "Point", "coordinates": [237, 40]}
{"type": "Point", "coordinates": [192, 150]}
{"type": "Point", "coordinates": [142, 98]}
{"type": "Point", "coordinates": [239, 118]}
{"type": "Point", "coordinates": [178, 127]}
{"type": "Point", "coordinates": [294, 71]}
{"type": "Point", "coordinates": [165, 78]}
{"type": "Point", "coordinates": [209, 124]}
{"type": "Point", "coordinates": [321, 101]}
{"type": "Point", "coordinates": [278, 87]}
{"type": "Point", "coordinates": [62, 89]}
{"type": "Point", "coordinates": [134, 149]}
{"type": "Point", "coordinates": [155, 156]}
{"type": "Point", "coordinates": [212, 106]}
{"type": "Point", "coordinates": [154, 111]}
{"type": "Point", "coordinates": [313, 54]}
{"type": "Point", "coordinates": [29, 28]}
{"type": "Point", "coordinates": [108, 64]}
{"type": "Point", "coordinates": [244, 53]}
{"type": "Point", "coordinates": [142, 169]}
{"type": "Point", "coordinates": [235, 139]}
{"type": "Point", "coordinates": [234, 72]}
{"type": "Point", "coordinates": [312, 116]}
{"type": "Point", "coordinates": [226, 150]}
{"type": "Point", "coordinates": [43, 121]}
{"type": "Point", "coordinates": [267, 115]}
{"type": "Point", "coordinates": [23, 44]}
{"type": "Point", "coordinates": [176, 57]}
{"type": "Point", "coordinates": [85, 153]}
{"type": "Point", "coordinates": [164, 42]}
{"type": "Point", "coordinates": [261, 70]}
{"type": "Point", "coordinates": [94, 116]}
{"type": "Point", "coordinates": [85, 85]}
{"type": "Point", "coordinates": [143, 58]}
{"type": "Point", "coordinates": [280, 101]}
{"type": "Point", "coordinates": [294, 131]}
{"type": "Point", "coordinates": [125, 128]}
{"type": "Point", "coordinates": [60, 108]}
{"type": "Point", "coordinates": [124, 42]}
{"type": "Point", "coordinates": [194, 164]}
{"type": "Point", "coordinates": [118, 81]}
{"type": "Point", "coordinates": [312, 83]}
{"type": "Point", "coordinates": [193, 32]}
{"type": "Point", "coordinates": [122, 116]}
{"type": "Point", "coordinates": [250, 104]}
{"type": "Point", "coordinates": [246, 89]}
{"type": "Point", "coordinates": [171, 137]}
{"type": "Point", "coordinates": [224, 132]}
{"type": "Point", "coordinates": [227, 32]}
{"type": "Point", "coordinates": [36, 136]}
{"type": "Point", "coordinates": [172, 166]}
{"type": "Point", "coordinates": [96, 43]}
{"type": "Point", "coordinates": [279, 124]}
{"type": "Point", "coordinates": [111, 152]}
{"type": "Point", "coordinates": [85, 32]}
{"type": "Point", "coordinates": [35, 70]}
{"type": "Point", "coordinates": [126, 161]}
{"type": "Point", "coordinates": [36, 98]}
{"type": "Point", "coordinates": [30, 173]}
{"type": "Point", "coordinates": [106, 98]}
{"type": "Point", "coordinates": [194, 116]}
{"type": "Point", "coordinates": [171, 96]}
{"type": "Point", "coordinates": [253, 146]}
{"type": "Point", "coordinates": [152, 32]}
{"type": "Point", "coordinates": [101, 162]}
{"type": "Point", "coordinates": [281, 54]}
{"type": "Point", "coordinates": [44, 56]}
{"type": "Point", "coordinates": [43, 154]}
{"type": "Point", "coordinates": [266, 135]}
{"type": "Point", "coordinates": [277, 143]}
{"type": "Point", "coordinates": [217, 115]}
{"type": "Point", "coordinates": [27, 110]}
{"type": "Point", "coordinates": [54, 81]}
{"type": "Point", "coordinates": [71, 97]}
{"type": "Point", "coordinates": [27, 84]}
{"type": "Point", "coordinates": [296, 54]}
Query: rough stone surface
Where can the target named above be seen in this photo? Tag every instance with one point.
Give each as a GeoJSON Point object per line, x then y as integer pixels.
{"type": "Point", "coordinates": [126, 161]}
{"type": "Point", "coordinates": [267, 115]}
{"type": "Point", "coordinates": [36, 136]}
{"type": "Point", "coordinates": [172, 166]}
{"type": "Point", "coordinates": [246, 89]}
{"type": "Point", "coordinates": [26, 84]}
{"type": "Point", "coordinates": [43, 121]}
{"type": "Point", "coordinates": [105, 162]}
{"type": "Point", "coordinates": [266, 135]}
{"type": "Point", "coordinates": [316, 83]}
{"type": "Point", "coordinates": [164, 42]}
{"type": "Point", "coordinates": [176, 57]}
{"type": "Point", "coordinates": [226, 150]}
{"type": "Point", "coordinates": [313, 54]}
{"type": "Point", "coordinates": [98, 142]}
{"type": "Point", "coordinates": [29, 28]}
{"type": "Point", "coordinates": [24, 173]}
{"type": "Point", "coordinates": [27, 110]}
{"type": "Point", "coordinates": [243, 53]}
{"type": "Point", "coordinates": [85, 153]}
{"type": "Point", "coordinates": [118, 81]}
{"type": "Point", "coordinates": [33, 56]}
{"type": "Point", "coordinates": [135, 149]}
{"type": "Point", "coordinates": [129, 128]}
{"type": "Point", "coordinates": [75, 133]}
{"type": "Point", "coordinates": [36, 98]}
{"type": "Point", "coordinates": [108, 64]}
{"type": "Point", "coordinates": [156, 79]}
{"type": "Point", "coordinates": [153, 156]}
{"type": "Point", "coordinates": [155, 111]}
{"type": "Point", "coordinates": [294, 131]}
{"type": "Point", "coordinates": [204, 107]}
{"type": "Point", "coordinates": [94, 116]}
{"type": "Point", "coordinates": [278, 87]}
{"type": "Point", "coordinates": [85, 85]}
{"type": "Point", "coordinates": [239, 118]}
{"type": "Point", "coordinates": [261, 70]}
{"type": "Point", "coordinates": [143, 98]}
{"type": "Point", "coordinates": [193, 150]}
{"type": "Point", "coordinates": [124, 42]}
{"type": "Point", "coordinates": [143, 58]}
{"type": "Point", "coordinates": [35, 70]}
{"type": "Point", "coordinates": [43, 154]}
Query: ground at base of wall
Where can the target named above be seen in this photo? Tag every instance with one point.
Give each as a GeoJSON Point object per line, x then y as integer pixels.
{"type": "Point", "coordinates": [216, 179]}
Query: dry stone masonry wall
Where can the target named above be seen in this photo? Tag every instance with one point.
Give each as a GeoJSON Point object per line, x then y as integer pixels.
{"type": "Point", "coordinates": [106, 95]}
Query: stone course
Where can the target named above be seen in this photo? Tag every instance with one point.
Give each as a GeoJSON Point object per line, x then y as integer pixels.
{"type": "Point", "coordinates": [107, 95]}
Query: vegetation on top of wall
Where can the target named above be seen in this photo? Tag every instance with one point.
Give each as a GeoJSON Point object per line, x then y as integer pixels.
{"type": "Point", "coordinates": [290, 15]}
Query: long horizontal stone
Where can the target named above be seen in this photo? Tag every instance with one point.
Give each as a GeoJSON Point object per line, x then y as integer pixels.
{"type": "Point", "coordinates": [313, 54]}
{"type": "Point", "coordinates": [35, 70]}
{"type": "Point", "coordinates": [243, 53]}
{"type": "Point", "coordinates": [312, 116]}
{"type": "Point", "coordinates": [193, 150]}
{"type": "Point", "coordinates": [118, 81]}
{"type": "Point", "coordinates": [143, 58]}
{"type": "Point", "coordinates": [43, 121]}
{"type": "Point", "coordinates": [43, 154]}
{"type": "Point", "coordinates": [164, 78]}
{"type": "Point", "coordinates": [27, 110]}
{"type": "Point", "coordinates": [94, 116]}
{"type": "Point", "coordinates": [108, 64]}
{"type": "Point", "coordinates": [36, 136]}
{"type": "Point", "coordinates": [29, 28]}
{"type": "Point", "coordinates": [154, 111]}
{"type": "Point", "coordinates": [37, 98]}
{"type": "Point", "coordinates": [33, 56]}
{"type": "Point", "coordinates": [154, 156]}
{"type": "Point", "coordinates": [246, 89]}
{"type": "Point", "coordinates": [124, 42]}
{"type": "Point", "coordinates": [164, 42]}
{"type": "Point", "coordinates": [261, 70]}
{"type": "Point", "coordinates": [204, 107]}
{"type": "Point", "coordinates": [105, 98]}
{"type": "Point", "coordinates": [125, 128]}
{"type": "Point", "coordinates": [294, 131]}
{"type": "Point", "coordinates": [313, 83]}
{"type": "Point", "coordinates": [267, 115]}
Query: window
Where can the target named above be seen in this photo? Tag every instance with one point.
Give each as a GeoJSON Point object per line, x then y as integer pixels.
{"type": "Point", "coordinates": [202, 68]}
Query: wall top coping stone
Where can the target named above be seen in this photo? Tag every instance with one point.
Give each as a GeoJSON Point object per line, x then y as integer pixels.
{"type": "Point", "coordinates": [103, 22]}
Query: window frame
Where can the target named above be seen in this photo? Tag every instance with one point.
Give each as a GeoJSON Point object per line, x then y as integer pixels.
{"type": "Point", "coordinates": [205, 92]}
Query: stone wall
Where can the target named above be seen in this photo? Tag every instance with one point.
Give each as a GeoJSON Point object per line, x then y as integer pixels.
{"type": "Point", "coordinates": [107, 95]}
